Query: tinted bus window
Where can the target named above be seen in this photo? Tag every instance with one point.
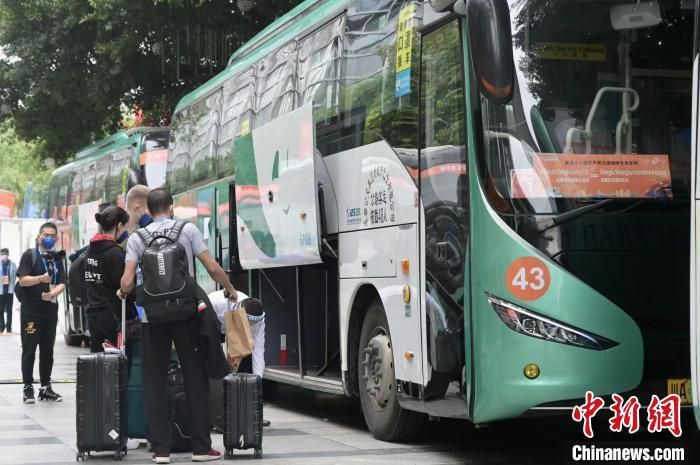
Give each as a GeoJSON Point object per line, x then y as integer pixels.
{"type": "Point", "coordinates": [203, 122]}
{"type": "Point", "coordinates": [237, 112]}
{"type": "Point", "coordinates": [154, 158]}
{"type": "Point", "coordinates": [371, 105]}
{"type": "Point", "coordinates": [319, 78]}
{"type": "Point", "coordinates": [178, 154]}
{"type": "Point", "coordinates": [116, 181]}
{"type": "Point", "coordinates": [276, 84]}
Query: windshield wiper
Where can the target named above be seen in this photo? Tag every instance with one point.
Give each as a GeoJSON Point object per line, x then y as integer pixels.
{"type": "Point", "coordinates": [573, 214]}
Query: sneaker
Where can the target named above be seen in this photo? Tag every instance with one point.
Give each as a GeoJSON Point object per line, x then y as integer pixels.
{"type": "Point", "coordinates": [132, 444]}
{"type": "Point", "coordinates": [28, 394]}
{"type": "Point", "coordinates": [47, 394]}
{"type": "Point", "coordinates": [209, 456]}
{"type": "Point", "coordinates": [159, 458]}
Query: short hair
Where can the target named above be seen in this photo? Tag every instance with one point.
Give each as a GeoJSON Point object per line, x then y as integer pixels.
{"type": "Point", "coordinates": [159, 201]}
{"type": "Point", "coordinates": [138, 193]}
{"type": "Point", "coordinates": [4, 251]}
{"type": "Point", "coordinates": [252, 306]}
{"type": "Point", "coordinates": [48, 225]}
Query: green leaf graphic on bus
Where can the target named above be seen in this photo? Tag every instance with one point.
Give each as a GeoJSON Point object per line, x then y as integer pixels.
{"type": "Point", "coordinates": [250, 207]}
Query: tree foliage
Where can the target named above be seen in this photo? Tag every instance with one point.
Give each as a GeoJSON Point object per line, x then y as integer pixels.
{"type": "Point", "coordinates": [69, 65]}
{"type": "Point", "coordinates": [21, 162]}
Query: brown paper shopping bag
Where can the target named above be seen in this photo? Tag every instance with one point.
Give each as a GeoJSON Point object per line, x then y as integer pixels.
{"type": "Point", "coordinates": [239, 339]}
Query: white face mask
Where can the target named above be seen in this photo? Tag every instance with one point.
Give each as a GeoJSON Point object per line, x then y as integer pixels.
{"type": "Point", "coordinates": [4, 258]}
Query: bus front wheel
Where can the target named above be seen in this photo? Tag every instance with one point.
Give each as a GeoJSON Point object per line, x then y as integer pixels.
{"type": "Point", "coordinates": [384, 416]}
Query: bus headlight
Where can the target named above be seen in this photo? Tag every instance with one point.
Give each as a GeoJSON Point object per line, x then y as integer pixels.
{"type": "Point", "coordinates": [531, 324]}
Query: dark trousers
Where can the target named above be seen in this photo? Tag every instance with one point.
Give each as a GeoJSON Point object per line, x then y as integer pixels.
{"type": "Point", "coordinates": [6, 312]}
{"type": "Point", "coordinates": [157, 341]}
{"type": "Point", "coordinates": [39, 332]}
{"type": "Point", "coordinates": [103, 327]}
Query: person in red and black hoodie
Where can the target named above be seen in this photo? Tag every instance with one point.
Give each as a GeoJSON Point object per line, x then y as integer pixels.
{"type": "Point", "coordinates": [104, 266]}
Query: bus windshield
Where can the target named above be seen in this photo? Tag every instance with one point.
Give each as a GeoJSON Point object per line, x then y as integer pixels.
{"type": "Point", "coordinates": [601, 107]}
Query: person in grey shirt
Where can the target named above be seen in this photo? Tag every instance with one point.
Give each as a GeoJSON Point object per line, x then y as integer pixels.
{"type": "Point", "coordinates": [157, 340]}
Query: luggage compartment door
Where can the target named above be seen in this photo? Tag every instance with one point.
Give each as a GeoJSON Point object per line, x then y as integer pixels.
{"type": "Point", "coordinates": [276, 193]}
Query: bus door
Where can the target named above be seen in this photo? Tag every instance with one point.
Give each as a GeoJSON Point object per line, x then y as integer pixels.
{"type": "Point", "coordinates": [443, 181]}
{"type": "Point", "coordinates": [695, 231]}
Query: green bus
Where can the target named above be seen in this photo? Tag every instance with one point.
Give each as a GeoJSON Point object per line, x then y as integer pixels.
{"type": "Point", "coordinates": [469, 209]}
{"type": "Point", "coordinates": [100, 175]}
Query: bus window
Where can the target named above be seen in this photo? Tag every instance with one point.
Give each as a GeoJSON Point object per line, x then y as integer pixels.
{"type": "Point", "coordinates": [178, 154]}
{"type": "Point", "coordinates": [101, 174]}
{"type": "Point", "coordinates": [444, 191]}
{"type": "Point", "coordinates": [203, 121]}
{"type": "Point", "coordinates": [275, 84]}
{"type": "Point", "coordinates": [583, 92]}
{"type": "Point", "coordinates": [319, 79]}
{"type": "Point", "coordinates": [118, 171]}
{"type": "Point", "coordinates": [88, 182]}
{"type": "Point", "coordinates": [370, 99]}
{"type": "Point", "coordinates": [76, 195]}
{"type": "Point", "coordinates": [239, 95]}
{"type": "Point", "coordinates": [154, 158]}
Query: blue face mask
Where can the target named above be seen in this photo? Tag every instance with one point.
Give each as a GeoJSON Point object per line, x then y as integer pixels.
{"type": "Point", "coordinates": [145, 220]}
{"type": "Point", "coordinates": [122, 237]}
{"type": "Point", "coordinates": [48, 242]}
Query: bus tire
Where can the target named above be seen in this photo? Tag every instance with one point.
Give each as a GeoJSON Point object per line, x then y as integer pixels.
{"type": "Point", "coordinates": [385, 418]}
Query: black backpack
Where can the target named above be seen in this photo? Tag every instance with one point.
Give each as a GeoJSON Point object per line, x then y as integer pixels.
{"type": "Point", "coordinates": [77, 290]}
{"type": "Point", "coordinates": [19, 290]}
{"type": "Point", "coordinates": [166, 293]}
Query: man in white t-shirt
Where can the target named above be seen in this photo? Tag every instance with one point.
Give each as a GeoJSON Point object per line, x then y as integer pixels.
{"type": "Point", "coordinates": [157, 339]}
{"type": "Point", "coordinates": [256, 319]}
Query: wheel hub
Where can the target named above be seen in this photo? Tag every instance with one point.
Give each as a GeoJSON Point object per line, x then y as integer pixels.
{"type": "Point", "coordinates": [378, 370]}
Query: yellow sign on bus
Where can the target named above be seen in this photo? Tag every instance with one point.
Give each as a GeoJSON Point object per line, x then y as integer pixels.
{"type": "Point", "coordinates": [570, 51]}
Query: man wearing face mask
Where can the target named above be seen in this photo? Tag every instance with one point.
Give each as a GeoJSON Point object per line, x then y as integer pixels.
{"type": "Point", "coordinates": [8, 273]}
{"type": "Point", "coordinates": [104, 266]}
{"type": "Point", "coordinates": [137, 207]}
{"type": "Point", "coordinates": [42, 278]}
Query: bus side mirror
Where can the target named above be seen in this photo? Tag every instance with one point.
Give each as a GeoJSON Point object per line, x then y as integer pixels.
{"type": "Point", "coordinates": [491, 47]}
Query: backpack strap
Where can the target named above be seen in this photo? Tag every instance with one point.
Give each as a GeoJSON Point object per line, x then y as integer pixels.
{"type": "Point", "coordinates": [172, 236]}
{"type": "Point", "coordinates": [35, 257]}
{"type": "Point", "coordinates": [174, 233]}
{"type": "Point", "coordinates": [145, 236]}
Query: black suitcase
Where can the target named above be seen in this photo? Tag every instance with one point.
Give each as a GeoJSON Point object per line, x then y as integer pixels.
{"type": "Point", "coordinates": [243, 413]}
{"type": "Point", "coordinates": [178, 412]}
{"type": "Point", "coordinates": [216, 404]}
{"type": "Point", "coordinates": [101, 416]}
{"type": "Point", "coordinates": [101, 405]}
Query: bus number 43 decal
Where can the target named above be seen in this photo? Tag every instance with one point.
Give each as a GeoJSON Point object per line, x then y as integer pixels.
{"type": "Point", "coordinates": [528, 278]}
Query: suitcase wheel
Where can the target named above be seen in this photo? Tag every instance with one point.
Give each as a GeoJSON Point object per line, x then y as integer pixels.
{"type": "Point", "coordinates": [80, 456]}
{"type": "Point", "coordinates": [258, 453]}
{"type": "Point", "coordinates": [228, 454]}
{"type": "Point", "coordinates": [118, 454]}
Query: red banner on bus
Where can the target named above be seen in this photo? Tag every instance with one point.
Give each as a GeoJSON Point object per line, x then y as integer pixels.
{"type": "Point", "coordinates": [154, 156]}
{"type": "Point", "coordinates": [584, 176]}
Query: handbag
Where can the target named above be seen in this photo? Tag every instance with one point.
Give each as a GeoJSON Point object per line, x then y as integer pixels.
{"type": "Point", "coordinates": [239, 338]}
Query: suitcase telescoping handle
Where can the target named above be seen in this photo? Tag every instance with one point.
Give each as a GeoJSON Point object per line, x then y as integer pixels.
{"type": "Point", "coordinates": [122, 336]}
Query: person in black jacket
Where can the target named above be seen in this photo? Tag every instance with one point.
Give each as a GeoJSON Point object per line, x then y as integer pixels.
{"type": "Point", "coordinates": [104, 266]}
